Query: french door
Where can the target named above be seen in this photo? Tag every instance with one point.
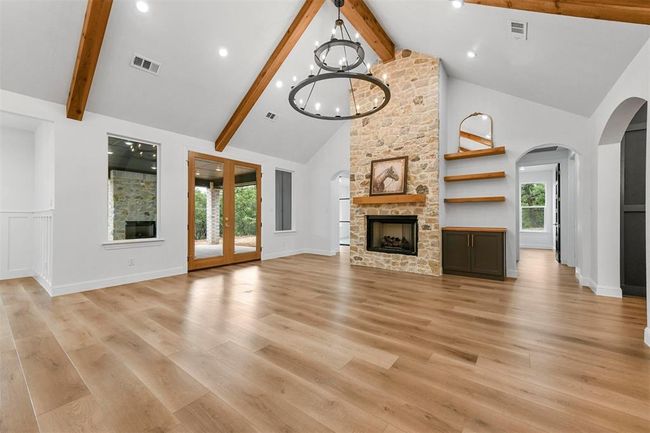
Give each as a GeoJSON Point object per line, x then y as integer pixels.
{"type": "Point", "coordinates": [224, 211]}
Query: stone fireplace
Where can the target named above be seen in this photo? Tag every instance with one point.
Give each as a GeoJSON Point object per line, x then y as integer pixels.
{"type": "Point", "coordinates": [407, 126]}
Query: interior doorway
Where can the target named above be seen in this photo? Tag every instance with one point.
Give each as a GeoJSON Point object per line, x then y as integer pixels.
{"type": "Point", "coordinates": [633, 206]}
{"type": "Point", "coordinates": [546, 202]}
{"type": "Point", "coordinates": [344, 211]}
{"type": "Point", "coordinates": [224, 218]}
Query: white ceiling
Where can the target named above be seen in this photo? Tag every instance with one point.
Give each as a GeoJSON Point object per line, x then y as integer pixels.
{"type": "Point", "coordinates": [568, 63]}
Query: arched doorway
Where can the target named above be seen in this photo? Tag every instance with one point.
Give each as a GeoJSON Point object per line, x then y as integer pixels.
{"type": "Point", "coordinates": [621, 200]}
{"type": "Point", "coordinates": [546, 196]}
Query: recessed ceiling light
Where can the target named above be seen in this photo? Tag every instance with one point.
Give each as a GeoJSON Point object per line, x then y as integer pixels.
{"type": "Point", "coordinates": [142, 6]}
{"type": "Point", "coordinates": [279, 84]}
{"type": "Point", "coordinates": [457, 3]}
{"type": "Point", "coordinates": [471, 54]}
{"type": "Point", "coordinates": [223, 52]}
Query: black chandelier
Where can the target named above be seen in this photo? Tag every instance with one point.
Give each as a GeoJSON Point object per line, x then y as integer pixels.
{"type": "Point", "coordinates": [344, 69]}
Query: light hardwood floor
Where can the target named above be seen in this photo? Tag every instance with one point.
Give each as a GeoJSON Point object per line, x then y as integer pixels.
{"type": "Point", "coordinates": [309, 344]}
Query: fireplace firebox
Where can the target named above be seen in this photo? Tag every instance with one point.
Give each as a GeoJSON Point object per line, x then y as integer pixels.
{"type": "Point", "coordinates": [393, 234]}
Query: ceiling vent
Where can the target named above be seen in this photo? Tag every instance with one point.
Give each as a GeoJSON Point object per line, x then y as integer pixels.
{"type": "Point", "coordinates": [518, 30]}
{"type": "Point", "coordinates": [145, 64]}
{"type": "Point", "coordinates": [270, 116]}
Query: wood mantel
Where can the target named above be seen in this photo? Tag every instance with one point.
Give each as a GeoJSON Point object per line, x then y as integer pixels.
{"type": "Point", "coordinates": [391, 198]}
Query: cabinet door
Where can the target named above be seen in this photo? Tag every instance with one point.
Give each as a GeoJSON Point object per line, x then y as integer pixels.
{"type": "Point", "coordinates": [455, 251]}
{"type": "Point", "coordinates": [487, 253]}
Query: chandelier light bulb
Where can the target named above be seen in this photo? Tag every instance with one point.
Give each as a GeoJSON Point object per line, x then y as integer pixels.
{"type": "Point", "coordinates": [311, 68]}
{"type": "Point", "coordinates": [334, 31]}
{"type": "Point", "coordinates": [316, 43]}
{"type": "Point", "coordinates": [356, 36]}
{"type": "Point", "coordinates": [337, 110]}
{"type": "Point", "coordinates": [279, 84]}
{"type": "Point", "coordinates": [317, 106]}
{"type": "Point", "coordinates": [471, 54]}
{"type": "Point", "coordinates": [294, 79]}
{"type": "Point", "coordinates": [301, 102]}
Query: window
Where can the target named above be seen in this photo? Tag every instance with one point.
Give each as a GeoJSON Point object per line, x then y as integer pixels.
{"type": "Point", "coordinates": [533, 204]}
{"type": "Point", "coordinates": [132, 189]}
{"type": "Point", "coordinates": [283, 208]}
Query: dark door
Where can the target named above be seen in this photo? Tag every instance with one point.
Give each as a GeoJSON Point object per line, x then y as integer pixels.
{"type": "Point", "coordinates": [487, 253]}
{"type": "Point", "coordinates": [633, 151]}
{"type": "Point", "coordinates": [456, 247]}
{"type": "Point", "coordinates": [556, 223]}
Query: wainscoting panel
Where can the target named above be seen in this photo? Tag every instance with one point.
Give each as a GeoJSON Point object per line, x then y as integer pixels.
{"type": "Point", "coordinates": [15, 244]}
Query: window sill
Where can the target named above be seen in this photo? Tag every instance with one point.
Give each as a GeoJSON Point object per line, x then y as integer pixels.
{"type": "Point", "coordinates": [132, 243]}
{"type": "Point", "coordinates": [280, 232]}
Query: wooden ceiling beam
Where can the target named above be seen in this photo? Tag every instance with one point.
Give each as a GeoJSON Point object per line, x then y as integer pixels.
{"type": "Point", "coordinates": [90, 44]}
{"type": "Point", "coordinates": [307, 12]}
{"type": "Point", "coordinates": [629, 11]}
{"type": "Point", "coordinates": [363, 20]}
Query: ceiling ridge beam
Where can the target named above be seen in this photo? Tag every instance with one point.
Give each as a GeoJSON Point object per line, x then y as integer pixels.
{"type": "Point", "coordinates": [90, 45]}
{"type": "Point", "coordinates": [628, 11]}
{"type": "Point", "coordinates": [307, 12]}
{"type": "Point", "coordinates": [364, 21]}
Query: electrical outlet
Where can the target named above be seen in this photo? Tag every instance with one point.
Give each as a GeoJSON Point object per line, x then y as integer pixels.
{"type": "Point", "coordinates": [132, 262]}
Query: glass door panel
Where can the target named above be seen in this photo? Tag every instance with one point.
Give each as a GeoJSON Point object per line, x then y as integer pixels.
{"type": "Point", "coordinates": [208, 209]}
{"type": "Point", "coordinates": [245, 218]}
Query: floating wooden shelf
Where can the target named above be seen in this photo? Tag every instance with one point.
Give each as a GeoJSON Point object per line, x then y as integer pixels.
{"type": "Point", "coordinates": [475, 229]}
{"type": "Point", "coordinates": [392, 198]}
{"type": "Point", "coordinates": [476, 153]}
{"type": "Point", "coordinates": [476, 176]}
{"type": "Point", "coordinates": [475, 199]}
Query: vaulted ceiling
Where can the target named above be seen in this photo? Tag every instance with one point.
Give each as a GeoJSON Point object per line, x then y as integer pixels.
{"type": "Point", "coordinates": [568, 63]}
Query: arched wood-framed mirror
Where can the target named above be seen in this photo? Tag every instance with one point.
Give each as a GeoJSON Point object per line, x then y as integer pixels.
{"type": "Point", "coordinates": [475, 132]}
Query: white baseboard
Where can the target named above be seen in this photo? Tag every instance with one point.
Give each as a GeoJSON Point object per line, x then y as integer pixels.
{"type": "Point", "coordinates": [536, 247]}
{"type": "Point", "coordinates": [584, 281]}
{"type": "Point", "coordinates": [84, 286]}
{"type": "Point", "coordinates": [17, 273]}
{"type": "Point", "coordinates": [512, 273]}
{"type": "Point", "coordinates": [609, 291]}
{"type": "Point", "coordinates": [43, 283]}
{"type": "Point", "coordinates": [319, 252]}
{"type": "Point", "coordinates": [646, 336]}
{"type": "Point", "coordinates": [279, 254]}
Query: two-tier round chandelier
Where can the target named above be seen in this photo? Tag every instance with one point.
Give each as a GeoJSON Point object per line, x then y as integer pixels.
{"type": "Point", "coordinates": [349, 68]}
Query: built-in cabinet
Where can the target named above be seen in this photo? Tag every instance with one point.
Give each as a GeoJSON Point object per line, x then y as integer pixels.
{"type": "Point", "coordinates": [474, 251]}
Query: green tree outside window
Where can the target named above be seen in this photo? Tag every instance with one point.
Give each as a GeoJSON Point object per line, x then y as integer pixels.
{"type": "Point", "coordinates": [533, 204]}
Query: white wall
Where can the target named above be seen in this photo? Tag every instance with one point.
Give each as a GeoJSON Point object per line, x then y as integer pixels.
{"type": "Point", "coordinates": [324, 167]}
{"type": "Point", "coordinates": [608, 124]}
{"type": "Point", "coordinates": [519, 125]}
{"type": "Point", "coordinates": [82, 262]}
{"type": "Point", "coordinates": [16, 202]}
{"type": "Point", "coordinates": [543, 239]}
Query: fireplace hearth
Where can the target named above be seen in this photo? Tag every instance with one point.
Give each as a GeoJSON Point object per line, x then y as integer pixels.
{"type": "Point", "coordinates": [392, 234]}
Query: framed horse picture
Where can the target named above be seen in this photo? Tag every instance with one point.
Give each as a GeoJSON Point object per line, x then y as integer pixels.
{"type": "Point", "coordinates": [388, 176]}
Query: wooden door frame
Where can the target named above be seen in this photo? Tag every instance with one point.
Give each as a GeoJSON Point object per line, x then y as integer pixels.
{"type": "Point", "coordinates": [228, 256]}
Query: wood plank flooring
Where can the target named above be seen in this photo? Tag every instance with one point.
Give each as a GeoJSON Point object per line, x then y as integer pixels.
{"type": "Point", "coordinates": [311, 344]}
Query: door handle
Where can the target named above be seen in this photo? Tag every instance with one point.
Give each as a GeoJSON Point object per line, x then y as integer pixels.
{"type": "Point", "coordinates": [467, 240]}
{"type": "Point", "coordinates": [472, 240]}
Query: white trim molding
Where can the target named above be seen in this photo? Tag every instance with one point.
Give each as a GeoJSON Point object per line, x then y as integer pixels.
{"type": "Point", "coordinates": [646, 336]}
{"type": "Point", "coordinates": [66, 289]}
{"type": "Point", "coordinates": [609, 291]}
